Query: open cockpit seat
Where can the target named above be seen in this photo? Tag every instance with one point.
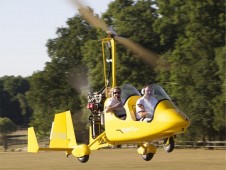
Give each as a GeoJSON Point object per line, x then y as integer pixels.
{"type": "Point", "coordinates": [130, 107]}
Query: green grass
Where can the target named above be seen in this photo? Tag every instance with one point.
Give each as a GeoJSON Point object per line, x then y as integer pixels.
{"type": "Point", "coordinates": [117, 159]}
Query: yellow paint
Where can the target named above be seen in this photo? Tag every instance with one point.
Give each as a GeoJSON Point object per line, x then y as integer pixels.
{"type": "Point", "coordinates": [130, 107]}
{"type": "Point", "coordinates": [167, 121]}
{"type": "Point", "coordinates": [62, 136]}
{"type": "Point", "coordinates": [111, 42]}
{"type": "Point", "coordinates": [145, 149]}
{"type": "Point", "coordinates": [81, 150]}
{"type": "Point", "coordinates": [113, 62]}
{"type": "Point", "coordinates": [99, 142]}
{"type": "Point", "coordinates": [62, 133]}
{"type": "Point", "coordinates": [32, 141]}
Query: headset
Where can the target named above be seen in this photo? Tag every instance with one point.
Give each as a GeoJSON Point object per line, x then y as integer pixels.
{"type": "Point", "coordinates": [143, 89]}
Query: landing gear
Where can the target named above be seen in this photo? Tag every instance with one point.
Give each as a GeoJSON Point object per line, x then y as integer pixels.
{"type": "Point", "coordinates": [147, 151]}
{"type": "Point", "coordinates": [169, 144]}
{"type": "Point", "coordinates": [148, 156]}
{"type": "Point", "coordinates": [83, 159]}
{"type": "Point", "coordinates": [81, 152]}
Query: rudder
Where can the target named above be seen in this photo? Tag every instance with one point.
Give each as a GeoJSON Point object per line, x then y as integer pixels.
{"type": "Point", "coordinates": [62, 132]}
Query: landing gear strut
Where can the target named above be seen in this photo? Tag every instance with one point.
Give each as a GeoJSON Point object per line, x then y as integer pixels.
{"type": "Point", "coordinates": [169, 144]}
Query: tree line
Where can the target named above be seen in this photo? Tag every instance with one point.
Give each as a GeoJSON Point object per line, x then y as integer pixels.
{"type": "Point", "coordinates": [189, 35]}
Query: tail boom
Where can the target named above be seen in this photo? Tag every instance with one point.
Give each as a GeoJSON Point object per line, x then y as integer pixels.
{"type": "Point", "coordinates": [62, 136]}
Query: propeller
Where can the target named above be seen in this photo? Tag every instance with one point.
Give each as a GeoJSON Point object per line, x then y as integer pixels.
{"type": "Point", "coordinates": [88, 14]}
{"type": "Point", "coordinates": [145, 54]}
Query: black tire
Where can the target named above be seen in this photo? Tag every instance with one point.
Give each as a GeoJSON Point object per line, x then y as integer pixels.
{"type": "Point", "coordinates": [84, 159]}
{"type": "Point", "coordinates": [118, 146]}
{"type": "Point", "coordinates": [170, 146]}
{"type": "Point", "coordinates": [148, 156]}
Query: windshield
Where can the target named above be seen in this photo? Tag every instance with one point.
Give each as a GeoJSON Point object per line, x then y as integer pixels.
{"type": "Point", "coordinates": [158, 92]}
{"type": "Point", "coordinates": [127, 91]}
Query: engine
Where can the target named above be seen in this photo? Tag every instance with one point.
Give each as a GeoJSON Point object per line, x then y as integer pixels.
{"type": "Point", "coordinates": [96, 106]}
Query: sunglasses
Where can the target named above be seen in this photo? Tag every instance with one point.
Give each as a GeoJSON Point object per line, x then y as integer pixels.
{"type": "Point", "coordinates": [117, 92]}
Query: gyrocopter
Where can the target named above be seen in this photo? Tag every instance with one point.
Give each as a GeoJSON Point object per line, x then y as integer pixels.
{"type": "Point", "coordinates": [106, 129]}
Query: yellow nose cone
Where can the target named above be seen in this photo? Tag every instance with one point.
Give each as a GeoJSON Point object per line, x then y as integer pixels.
{"type": "Point", "coordinates": [170, 119]}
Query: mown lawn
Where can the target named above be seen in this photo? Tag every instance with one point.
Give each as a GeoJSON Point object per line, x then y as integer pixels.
{"type": "Point", "coordinates": [117, 159]}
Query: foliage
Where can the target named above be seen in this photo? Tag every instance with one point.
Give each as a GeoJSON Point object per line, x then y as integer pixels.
{"type": "Point", "coordinates": [131, 20]}
{"type": "Point", "coordinates": [58, 87]}
{"type": "Point", "coordinates": [6, 126]}
{"type": "Point", "coordinates": [187, 34]}
{"type": "Point", "coordinates": [13, 103]}
{"type": "Point", "coordinates": [198, 31]}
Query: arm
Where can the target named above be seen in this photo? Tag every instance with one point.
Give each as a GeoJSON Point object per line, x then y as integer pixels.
{"type": "Point", "coordinates": [111, 107]}
{"type": "Point", "coordinates": [141, 111]}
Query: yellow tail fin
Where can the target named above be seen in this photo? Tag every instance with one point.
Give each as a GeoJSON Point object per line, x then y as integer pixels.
{"type": "Point", "coordinates": [32, 141]}
{"type": "Point", "coordinates": [62, 132]}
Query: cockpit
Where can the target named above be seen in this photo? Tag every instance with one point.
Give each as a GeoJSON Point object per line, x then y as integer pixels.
{"type": "Point", "coordinates": [130, 95]}
{"type": "Point", "coordinates": [157, 91]}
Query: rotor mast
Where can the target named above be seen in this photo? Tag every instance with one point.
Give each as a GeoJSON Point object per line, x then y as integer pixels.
{"type": "Point", "coordinates": [111, 45]}
{"type": "Point", "coordinates": [113, 51]}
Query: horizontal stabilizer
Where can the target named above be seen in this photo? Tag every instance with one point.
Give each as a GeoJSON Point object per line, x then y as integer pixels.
{"type": "Point", "coordinates": [33, 144]}
{"type": "Point", "coordinates": [62, 137]}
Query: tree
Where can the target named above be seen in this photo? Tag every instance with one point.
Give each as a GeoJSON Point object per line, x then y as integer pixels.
{"type": "Point", "coordinates": [6, 127]}
{"type": "Point", "coordinates": [134, 20]}
{"type": "Point", "coordinates": [188, 34]}
{"type": "Point", "coordinates": [12, 99]}
{"type": "Point", "coordinates": [219, 102]}
{"type": "Point", "coordinates": [197, 30]}
{"type": "Point", "coordinates": [58, 87]}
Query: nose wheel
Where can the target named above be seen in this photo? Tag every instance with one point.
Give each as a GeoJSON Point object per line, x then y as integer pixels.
{"type": "Point", "coordinates": [83, 159]}
{"type": "Point", "coordinates": [148, 156]}
{"type": "Point", "coordinates": [147, 151]}
{"type": "Point", "coordinates": [168, 144]}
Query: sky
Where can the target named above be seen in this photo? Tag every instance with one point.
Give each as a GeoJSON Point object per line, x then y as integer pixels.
{"type": "Point", "coordinates": [25, 27]}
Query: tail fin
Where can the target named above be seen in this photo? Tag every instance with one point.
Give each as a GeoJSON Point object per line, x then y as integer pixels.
{"type": "Point", "coordinates": [62, 132]}
{"type": "Point", "coordinates": [32, 141]}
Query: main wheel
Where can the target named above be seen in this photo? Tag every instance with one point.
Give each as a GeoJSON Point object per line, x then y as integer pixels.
{"type": "Point", "coordinates": [84, 159]}
{"type": "Point", "coordinates": [148, 156]}
{"type": "Point", "coordinates": [169, 147]}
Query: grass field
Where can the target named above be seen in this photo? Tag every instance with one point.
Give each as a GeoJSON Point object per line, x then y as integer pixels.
{"type": "Point", "coordinates": [117, 159]}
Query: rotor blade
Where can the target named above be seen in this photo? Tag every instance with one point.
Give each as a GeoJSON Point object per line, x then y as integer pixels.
{"type": "Point", "coordinates": [148, 56]}
{"type": "Point", "coordinates": [87, 13]}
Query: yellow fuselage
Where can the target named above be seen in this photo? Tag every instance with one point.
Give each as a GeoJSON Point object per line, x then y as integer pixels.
{"type": "Point", "coordinates": [167, 121]}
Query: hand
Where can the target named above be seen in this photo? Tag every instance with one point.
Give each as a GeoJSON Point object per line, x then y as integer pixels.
{"type": "Point", "coordinates": [117, 104]}
{"type": "Point", "coordinates": [141, 106]}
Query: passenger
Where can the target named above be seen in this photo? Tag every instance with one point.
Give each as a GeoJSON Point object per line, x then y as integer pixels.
{"type": "Point", "coordinates": [115, 104]}
{"type": "Point", "coordinates": [145, 105]}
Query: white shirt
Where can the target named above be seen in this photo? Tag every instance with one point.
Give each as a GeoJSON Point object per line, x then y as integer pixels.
{"type": "Point", "coordinates": [119, 111]}
{"type": "Point", "coordinates": [149, 106]}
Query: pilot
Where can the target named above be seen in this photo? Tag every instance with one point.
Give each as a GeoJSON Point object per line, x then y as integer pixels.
{"type": "Point", "coordinates": [115, 104]}
{"type": "Point", "coordinates": [145, 105]}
